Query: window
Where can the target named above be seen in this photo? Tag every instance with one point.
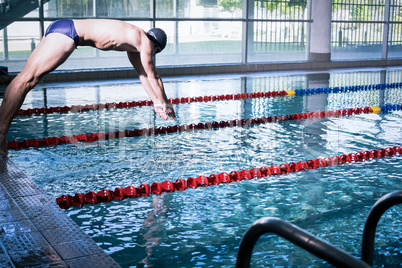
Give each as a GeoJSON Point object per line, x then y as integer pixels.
{"type": "Point", "coordinates": [357, 29]}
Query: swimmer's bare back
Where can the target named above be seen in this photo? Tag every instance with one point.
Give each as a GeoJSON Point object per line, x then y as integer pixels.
{"type": "Point", "coordinates": [107, 34]}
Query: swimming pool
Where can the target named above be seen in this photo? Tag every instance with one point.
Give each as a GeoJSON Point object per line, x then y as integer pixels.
{"type": "Point", "coordinates": [203, 227]}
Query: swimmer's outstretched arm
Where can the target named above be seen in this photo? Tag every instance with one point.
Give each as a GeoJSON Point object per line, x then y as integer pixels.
{"type": "Point", "coordinates": [152, 83]}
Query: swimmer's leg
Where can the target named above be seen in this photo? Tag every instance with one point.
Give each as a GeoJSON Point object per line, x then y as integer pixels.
{"type": "Point", "coordinates": [52, 51]}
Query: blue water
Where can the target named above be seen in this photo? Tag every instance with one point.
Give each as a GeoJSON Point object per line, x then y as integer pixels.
{"type": "Point", "coordinates": [203, 227]}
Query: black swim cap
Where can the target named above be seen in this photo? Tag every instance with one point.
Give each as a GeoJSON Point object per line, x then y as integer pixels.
{"type": "Point", "coordinates": [158, 36]}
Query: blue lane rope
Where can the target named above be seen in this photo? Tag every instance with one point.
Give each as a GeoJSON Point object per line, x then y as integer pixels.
{"type": "Point", "coordinates": [344, 89]}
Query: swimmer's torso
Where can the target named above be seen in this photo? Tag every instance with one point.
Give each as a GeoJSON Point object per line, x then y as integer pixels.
{"type": "Point", "coordinates": [109, 34]}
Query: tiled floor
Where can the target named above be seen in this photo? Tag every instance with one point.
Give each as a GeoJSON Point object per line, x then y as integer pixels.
{"type": "Point", "coordinates": [34, 231]}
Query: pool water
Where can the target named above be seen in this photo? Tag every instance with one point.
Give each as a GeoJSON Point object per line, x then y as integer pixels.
{"type": "Point", "coordinates": [203, 227]}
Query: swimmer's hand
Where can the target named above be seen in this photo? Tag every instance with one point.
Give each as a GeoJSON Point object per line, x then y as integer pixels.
{"type": "Point", "coordinates": [165, 111]}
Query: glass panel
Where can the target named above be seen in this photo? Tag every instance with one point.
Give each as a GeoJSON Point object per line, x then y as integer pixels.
{"type": "Point", "coordinates": [356, 40]}
{"type": "Point", "coordinates": [97, 8]}
{"type": "Point", "coordinates": [12, 9]}
{"type": "Point", "coordinates": [123, 8]}
{"type": "Point", "coordinates": [271, 40]}
{"type": "Point", "coordinates": [279, 10]}
{"type": "Point", "coordinates": [352, 10]}
{"type": "Point", "coordinates": [67, 9]}
{"type": "Point", "coordinates": [355, 34]}
{"type": "Point", "coordinates": [2, 56]}
{"type": "Point", "coordinates": [30, 8]}
{"type": "Point", "coordinates": [201, 42]}
{"type": "Point", "coordinates": [395, 41]}
{"type": "Point", "coordinates": [277, 41]}
{"type": "Point", "coordinates": [396, 11]}
{"type": "Point", "coordinates": [199, 8]}
{"type": "Point", "coordinates": [22, 39]}
{"type": "Point", "coordinates": [395, 31]}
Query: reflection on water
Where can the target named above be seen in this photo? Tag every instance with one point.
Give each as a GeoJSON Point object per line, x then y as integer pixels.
{"type": "Point", "coordinates": [203, 227]}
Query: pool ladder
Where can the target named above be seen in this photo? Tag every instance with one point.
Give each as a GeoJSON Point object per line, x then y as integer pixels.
{"type": "Point", "coordinates": [314, 245]}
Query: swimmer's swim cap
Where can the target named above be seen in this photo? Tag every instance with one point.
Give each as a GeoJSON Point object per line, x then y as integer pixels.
{"type": "Point", "coordinates": [159, 37]}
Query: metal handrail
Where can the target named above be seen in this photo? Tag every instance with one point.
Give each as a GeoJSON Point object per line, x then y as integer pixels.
{"type": "Point", "coordinates": [373, 218]}
{"type": "Point", "coordinates": [297, 236]}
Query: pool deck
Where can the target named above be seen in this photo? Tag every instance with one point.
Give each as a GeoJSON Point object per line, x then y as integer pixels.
{"type": "Point", "coordinates": [34, 231]}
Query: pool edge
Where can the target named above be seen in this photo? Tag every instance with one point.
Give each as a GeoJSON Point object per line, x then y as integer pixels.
{"type": "Point", "coordinates": [34, 231]}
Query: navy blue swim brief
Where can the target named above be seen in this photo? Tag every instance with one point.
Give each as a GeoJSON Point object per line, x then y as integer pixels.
{"type": "Point", "coordinates": [64, 26]}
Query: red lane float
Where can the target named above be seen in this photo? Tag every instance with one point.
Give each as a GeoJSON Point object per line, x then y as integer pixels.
{"type": "Point", "coordinates": [181, 128]}
{"type": "Point", "coordinates": [121, 105]}
{"type": "Point", "coordinates": [80, 199]}
{"type": "Point", "coordinates": [113, 105]}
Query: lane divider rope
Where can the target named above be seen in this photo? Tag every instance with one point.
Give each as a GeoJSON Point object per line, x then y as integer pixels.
{"type": "Point", "coordinates": [80, 199]}
{"type": "Point", "coordinates": [48, 141]}
{"type": "Point", "coordinates": [121, 105]}
{"type": "Point", "coordinates": [239, 96]}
